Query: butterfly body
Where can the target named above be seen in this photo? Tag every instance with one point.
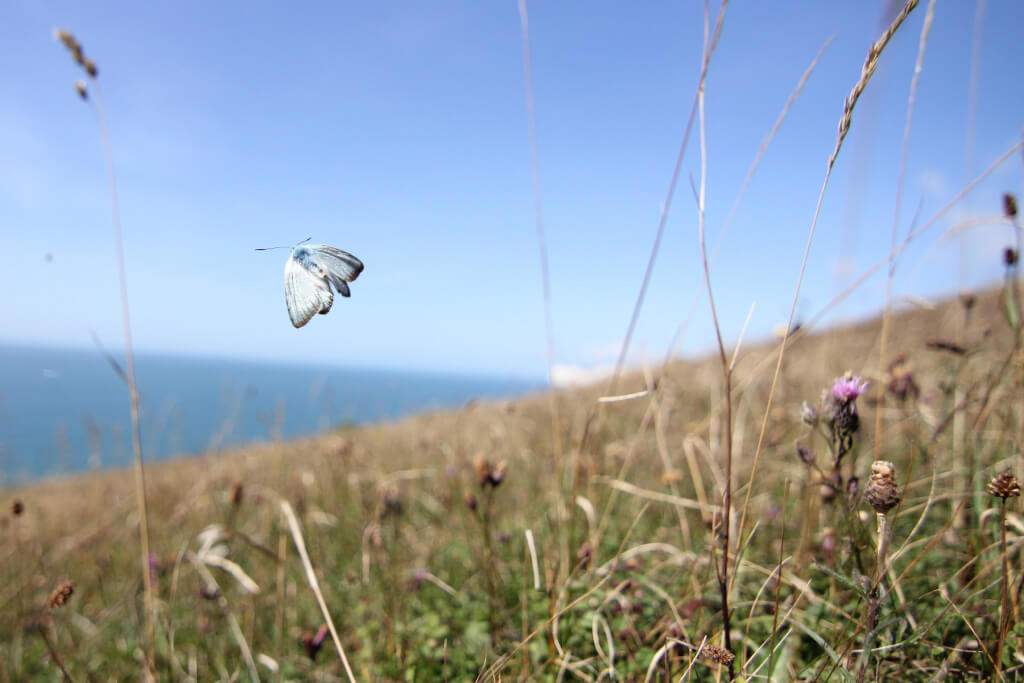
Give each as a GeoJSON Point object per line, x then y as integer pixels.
{"type": "Point", "coordinates": [309, 274]}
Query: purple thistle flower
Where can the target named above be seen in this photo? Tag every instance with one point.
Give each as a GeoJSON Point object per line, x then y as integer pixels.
{"type": "Point", "coordinates": [848, 387]}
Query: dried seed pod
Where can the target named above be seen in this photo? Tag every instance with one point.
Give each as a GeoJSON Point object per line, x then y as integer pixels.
{"type": "Point", "coordinates": [1004, 486]}
{"type": "Point", "coordinates": [882, 492]}
{"type": "Point", "coordinates": [1009, 205]}
{"type": "Point", "coordinates": [719, 655]}
{"type": "Point", "coordinates": [60, 595]}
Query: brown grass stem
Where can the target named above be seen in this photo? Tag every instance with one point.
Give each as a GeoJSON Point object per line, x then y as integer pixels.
{"type": "Point", "coordinates": [1004, 592]}
{"type": "Point", "coordinates": [54, 654]}
{"type": "Point", "coordinates": [307, 565]}
{"type": "Point", "coordinates": [726, 367]}
{"type": "Point", "coordinates": [96, 97]}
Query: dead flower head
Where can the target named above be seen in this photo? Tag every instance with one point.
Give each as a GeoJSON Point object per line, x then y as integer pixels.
{"type": "Point", "coordinates": [1004, 486]}
{"type": "Point", "coordinates": [719, 655]}
{"type": "Point", "coordinates": [882, 492]}
{"type": "Point", "coordinates": [1009, 205]}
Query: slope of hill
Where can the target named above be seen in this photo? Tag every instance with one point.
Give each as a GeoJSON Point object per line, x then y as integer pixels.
{"type": "Point", "coordinates": [562, 535]}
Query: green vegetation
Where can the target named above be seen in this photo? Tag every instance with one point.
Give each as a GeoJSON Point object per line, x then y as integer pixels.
{"type": "Point", "coordinates": [419, 541]}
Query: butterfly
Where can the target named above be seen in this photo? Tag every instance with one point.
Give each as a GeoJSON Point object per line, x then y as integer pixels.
{"type": "Point", "coordinates": [310, 272]}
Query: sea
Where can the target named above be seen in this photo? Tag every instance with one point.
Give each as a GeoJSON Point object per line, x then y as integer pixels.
{"type": "Point", "coordinates": [64, 411]}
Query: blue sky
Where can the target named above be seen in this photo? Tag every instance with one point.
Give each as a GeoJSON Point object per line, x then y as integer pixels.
{"type": "Point", "coordinates": [398, 131]}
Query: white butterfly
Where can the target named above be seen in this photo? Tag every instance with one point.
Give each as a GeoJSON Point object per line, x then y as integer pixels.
{"type": "Point", "coordinates": [308, 276]}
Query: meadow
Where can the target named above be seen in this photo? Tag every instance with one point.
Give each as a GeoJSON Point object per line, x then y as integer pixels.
{"type": "Point", "coordinates": [459, 545]}
{"type": "Point", "coordinates": [834, 505]}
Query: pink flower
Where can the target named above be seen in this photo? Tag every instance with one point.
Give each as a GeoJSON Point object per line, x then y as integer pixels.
{"type": "Point", "coordinates": [848, 387]}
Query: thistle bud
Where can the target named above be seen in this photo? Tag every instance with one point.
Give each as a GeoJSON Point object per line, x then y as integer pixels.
{"type": "Point", "coordinates": [808, 414]}
{"type": "Point", "coordinates": [805, 454]}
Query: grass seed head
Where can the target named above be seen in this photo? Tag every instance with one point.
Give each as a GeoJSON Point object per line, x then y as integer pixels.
{"type": "Point", "coordinates": [882, 492]}
{"type": "Point", "coordinates": [1004, 486]}
{"type": "Point", "coordinates": [60, 595]}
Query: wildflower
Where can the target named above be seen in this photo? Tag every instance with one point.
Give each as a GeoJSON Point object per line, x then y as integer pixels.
{"type": "Point", "coordinates": [416, 578]}
{"type": "Point", "coordinates": [487, 474]}
{"type": "Point", "coordinates": [848, 387]}
{"type": "Point", "coordinates": [882, 492]}
{"type": "Point", "coordinates": [60, 595]}
{"type": "Point", "coordinates": [841, 402]}
{"type": "Point", "coordinates": [314, 643]}
{"type": "Point", "coordinates": [1004, 486]}
{"type": "Point", "coordinates": [805, 454]}
{"type": "Point", "coordinates": [470, 501]}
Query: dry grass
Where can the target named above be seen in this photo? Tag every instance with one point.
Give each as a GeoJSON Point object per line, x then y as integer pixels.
{"type": "Point", "coordinates": [385, 518]}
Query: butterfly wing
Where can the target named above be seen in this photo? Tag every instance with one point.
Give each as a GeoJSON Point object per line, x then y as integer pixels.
{"type": "Point", "coordinates": [306, 291]}
{"type": "Point", "coordinates": [339, 267]}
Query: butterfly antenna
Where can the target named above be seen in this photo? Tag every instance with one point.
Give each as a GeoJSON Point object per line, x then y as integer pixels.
{"type": "Point", "coordinates": [272, 248]}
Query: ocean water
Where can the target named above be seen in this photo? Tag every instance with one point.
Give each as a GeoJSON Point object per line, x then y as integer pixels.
{"type": "Point", "coordinates": [64, 411]}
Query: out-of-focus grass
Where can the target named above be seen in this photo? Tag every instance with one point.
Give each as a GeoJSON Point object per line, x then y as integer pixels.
{"type": "Point", "coordinates": [428, 574]}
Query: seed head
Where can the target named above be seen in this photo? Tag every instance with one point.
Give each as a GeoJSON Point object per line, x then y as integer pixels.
{"type": "Point", "coordinates": [1004, 486]}
{"type": "Point", "coordinates": [882, 492]}
{"type": "Point", "coordinates": [60, 595]}
{"type": "Point", "coordinates": [1009, 205]}
{"type": "Point", "coordinates": [82, 91]}
{"type": "Point", "coordinates": [1010, 256]}
{"type": "Point", "coordinates": [719, 655]}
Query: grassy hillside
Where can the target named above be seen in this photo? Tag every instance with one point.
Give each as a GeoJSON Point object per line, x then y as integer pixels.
{"type": "Point", "coordinates": [497, 542]}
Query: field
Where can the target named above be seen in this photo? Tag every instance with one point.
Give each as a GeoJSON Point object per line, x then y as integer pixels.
{"type": "Point", "coordinates": [839, 504]}
{"type": "Point", "coordinates": [462, 545]}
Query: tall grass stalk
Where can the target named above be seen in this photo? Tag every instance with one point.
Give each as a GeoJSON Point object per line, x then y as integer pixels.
{"type": "Point", "coordinates": [845, 121]}
{"type": "Point", "coordinates": [307, 565]}
{"type": "Point", "coordinates": [726, 366]}
{"type": "Point", "coordinates": [95, 96]}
